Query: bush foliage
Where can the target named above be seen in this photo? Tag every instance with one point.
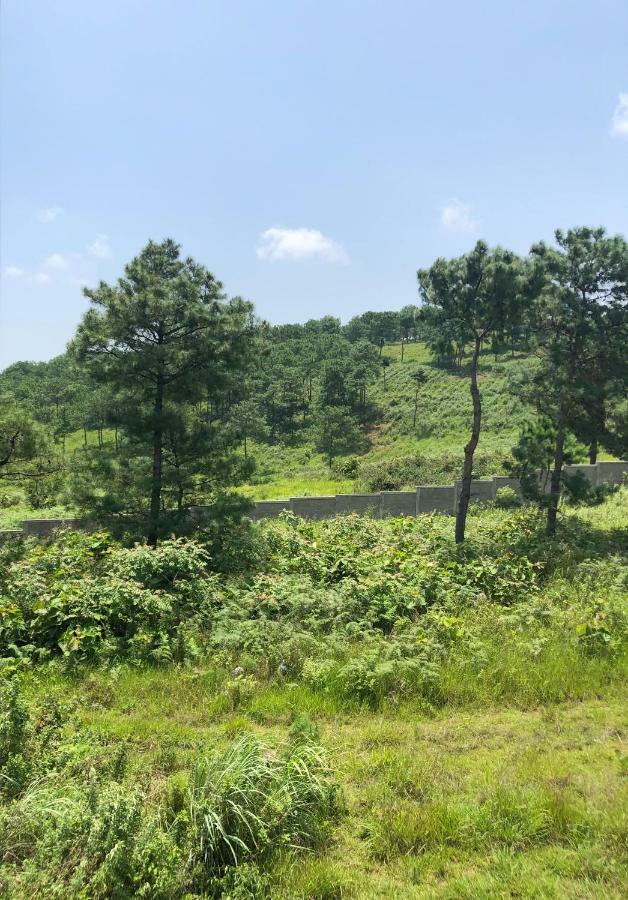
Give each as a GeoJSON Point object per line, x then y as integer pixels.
{"type": "Point", "coordinates": [351, 614]}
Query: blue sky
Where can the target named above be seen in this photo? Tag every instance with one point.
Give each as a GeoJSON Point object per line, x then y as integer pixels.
{"type": "Point", "coordinates": [312, 153]}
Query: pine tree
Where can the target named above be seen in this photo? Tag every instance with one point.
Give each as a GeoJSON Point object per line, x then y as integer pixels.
{"type": "Point", "coordinates": [477, 295]}
{"type": "Point", "coordinates": [161, 339]}
{"type": "Point", "coordinates": [581, 327]}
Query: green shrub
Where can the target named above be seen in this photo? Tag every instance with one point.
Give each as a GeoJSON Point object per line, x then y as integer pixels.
{"type": "Point", "coordinates": [166, 566]}
{"type": "Point", "coordinates": [346, 467]}
{"type": "Point", "coordinates": [44, 491]}
{"type": "Point", "coordinates": [14, 719]}
{"type": "Point", "coordinates": [399, 472]}
{"type": "Point", "coordinates": [507, 498]}
{"type": "Point", "coordinates": [9, 500]}
{"type": "Point", "coordinates": [605, 630]}
{"type": "Point", "coordinates": [28, 748]}
{"type": "Point", "coordinates": [381, 672]}
{"type": "Point", "coordinates": [85, 600]}
{"type": "Point", "coordinates": [579, 491]}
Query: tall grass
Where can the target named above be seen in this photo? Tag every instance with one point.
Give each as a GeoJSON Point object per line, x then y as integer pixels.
{"type": "Point", "coordinates": [110, 838]}
{"type": "Point", "coordinates": [249, 801]}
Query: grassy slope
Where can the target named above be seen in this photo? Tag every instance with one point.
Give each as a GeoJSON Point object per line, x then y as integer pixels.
{"type": "Point", "coordinates": [470, 803]}
{"type": "Point", "coordinates": [443, 422]}
{"type": "Point", "coordinates": [516, 798]}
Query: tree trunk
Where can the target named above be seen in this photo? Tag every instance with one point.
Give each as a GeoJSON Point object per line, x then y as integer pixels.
{"type": "Point", "coordinates": [245, 450]}
{"type": "Point", "coordinates": [155, 490]}
{"type": "Point", "coordinates": [552, 509]}
{"type": "Point", "coordinates": [469, 450]}
{"type": "Point", "coordinates": [84, 436]}
{"type": "Point", "coordinates": [402, 346]}
{"type": "Point", "coordinates": [593, 452]}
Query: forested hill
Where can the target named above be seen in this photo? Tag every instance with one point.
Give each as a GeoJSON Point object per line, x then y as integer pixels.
{"type": "Point", "coordinates": [370, 397]}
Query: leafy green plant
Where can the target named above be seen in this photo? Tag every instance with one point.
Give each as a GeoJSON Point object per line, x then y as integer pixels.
{"type": "Point", "coordinates": [507, 498]}
{"type": "Point", "coordinates": [80, 598]}
{"type": "Point", "coordinates": [605, 630]}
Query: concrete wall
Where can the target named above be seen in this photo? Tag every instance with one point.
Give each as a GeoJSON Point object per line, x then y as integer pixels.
{"type": "Point", "coordinates": [503, 481]}
{"type": "Point", "coordinates": [398, 503]}
{"type": "Point", "coordinates": [358, 503]}
{"type": "Point", "coordinates": [435, 498]}
{"type": "Point", "coordinates": [612, 472]}
{"type": "Point", "coordinates": [590, 472]}
{"type": "Point", "coordinates": [45, 527]}
{"type": "Point", "coordinates": [269, 509]}
{"type": "Point", "coordinates": [10, 533]}
{"type": "Point", "coordinates": [426, 499]}
{"type": "Point", "coordinates": [482, 491]}
{"type": "Point", "coordinates": [313, 507]}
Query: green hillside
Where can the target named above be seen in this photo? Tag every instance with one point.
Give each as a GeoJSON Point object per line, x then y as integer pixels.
{"type": "Point", "coordinates": [394, 454]}
{"type": "Point", "coordinates": [404, 707]}
{"type": "Point", "coordinates": [442, 429]}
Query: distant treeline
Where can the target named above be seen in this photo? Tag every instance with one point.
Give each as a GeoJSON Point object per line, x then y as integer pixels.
{"type": "Point", "coordinates": [295, 367]}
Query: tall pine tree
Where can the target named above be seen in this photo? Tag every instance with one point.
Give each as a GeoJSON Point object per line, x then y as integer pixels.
{"type": "Point", "coordinates": [161, 340]}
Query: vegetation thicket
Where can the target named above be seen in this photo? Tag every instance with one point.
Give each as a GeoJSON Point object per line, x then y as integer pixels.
{"type": "Point", "coordinates": [163, 721]}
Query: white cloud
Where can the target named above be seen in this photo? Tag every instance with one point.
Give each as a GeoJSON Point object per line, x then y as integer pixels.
{"type": "Point", "coordinates": [100, 247]}
{"type": "Point", "coordinates": [48, 214]}
{"type": "Point", "coordinates": [57, 261]}
{"type": "Point", "coordinates": [278, 244]}
{"type": "Point", "coordinates": [42, 278]}
{"type": "Point", "coordinates": [457, 216]}
{"type": "Point", "coordinates": [619, 127]}
{"type": "Point", "coordinates": [13, 271]}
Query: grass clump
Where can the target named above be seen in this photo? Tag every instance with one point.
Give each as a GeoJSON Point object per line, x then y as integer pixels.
{"type": "Point", "coordinates": [250, 801]}
{"type": "Point", "coordinates": [107, 834]}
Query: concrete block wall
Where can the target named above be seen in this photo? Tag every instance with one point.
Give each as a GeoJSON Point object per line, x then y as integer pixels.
{"type": "Point", "coordinates": [503, 481]}
{"type": "Point", "coordinates": [612, 472]}
{"type": "Point", "coordinates": [425, 499]}
{"type": "Point", "coordinates": [45, 527]}
{"type": "Point", "coordinates": [269, 509]}
{"type": "Point", "coordinates": [398, 503]}
{"type": "Point", "coordinates": [314, 507]}
{"type": "Point", "coordinates": [482, 491]}
{"type": "Point", "coordinates": [435, 498]}
{"type": "Point", "coordinates": [591, 473]}
{"type": "Point", "coordinates": [9, 533]}
{"type": "Point", "coordinates": [359, 503]}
